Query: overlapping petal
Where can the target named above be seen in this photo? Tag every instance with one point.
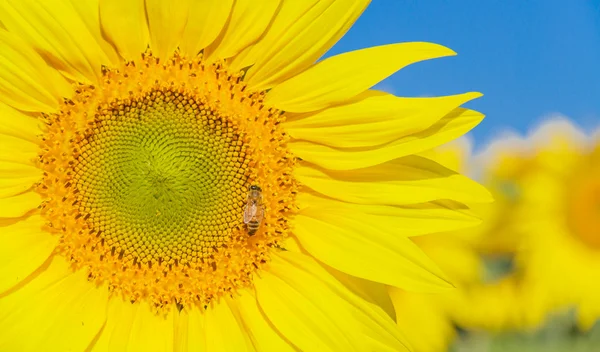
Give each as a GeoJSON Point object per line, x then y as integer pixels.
{"type": "Point", "coordinates": [189, 332]}
{"type": "Point", "coordinates": [132, 327]}
{"type": "Point", "coordinates": [16, 177]}
{"type": "Point", "coordinates": [166, 22]}
{"type": "Point", "coordinates": [324, 309]}
{"type": "Point", "coordinates": [260, 331]}
{"type": "Point", "coordinates": [19, 205]}
{"type": "Point", "coordinates": [248, 21]}
{"type": "Point", "coordinates": [206, 20]}
{"type": "Point", "coordinates": [16, 124]}
{"type": "Point", "coordinates": [374, 119]}
{"type": "Point", "coordinates": [408, 180]}
{"type": "Point", "coordinates": [451, 126]}
{"type": "Point", "coordinates": [19, 152]}
{"type": "Point", "coordinates": [341, 238]}
{"type": "Point", "coordinates": [124, 24]}
{"type": "Point", "coordinates": [223, 331]}
{"type": "Point", "coordinates": [89, 13]}
{"type": "Point", "coordinates": [56, 31]}
{"type": "Point", "coordinates": [370, 291]}
{"type": "Point", "coordinates": [26, 82]}
{"type": "Point", "coordinates": [406, 220]}
{"type": "Point", "coordinates": [301, 32]}
{"type": "Point", "coordinates": [289, 12]}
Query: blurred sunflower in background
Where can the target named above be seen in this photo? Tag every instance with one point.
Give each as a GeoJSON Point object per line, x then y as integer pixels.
{"type": "Point", "coordinates": [560, 221]}
{"type": "Point", "coordinates": [526, 303]}
{"type": "Point", "coordinates": [132, 132]}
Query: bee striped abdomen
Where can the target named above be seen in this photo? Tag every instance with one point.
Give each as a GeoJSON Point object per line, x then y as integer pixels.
{"type": "Point", "coordinates": [253, 227]}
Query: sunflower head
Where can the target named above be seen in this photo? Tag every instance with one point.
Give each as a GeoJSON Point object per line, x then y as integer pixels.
{"type": "Point", "coordinates": [147, 174]}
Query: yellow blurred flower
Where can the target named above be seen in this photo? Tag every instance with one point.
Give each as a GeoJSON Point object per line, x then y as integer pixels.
{"type": "Point", "coordinates": [559, 217]}
{"type": "Point", "coordinates": [132, 133]}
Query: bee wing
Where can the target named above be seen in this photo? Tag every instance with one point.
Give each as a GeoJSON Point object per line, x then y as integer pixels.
{"type": "Point", "coordinates": [249, 211]}
{"type": "Point", "coordinates": [260, 213]}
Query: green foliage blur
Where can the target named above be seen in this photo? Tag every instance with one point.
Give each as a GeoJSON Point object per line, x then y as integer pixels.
{"type": "Point", "coordinates": [560, 334]}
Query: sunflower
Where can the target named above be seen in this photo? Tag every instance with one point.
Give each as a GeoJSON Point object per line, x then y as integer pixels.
{"type": "Point", "coordinates": [184, 176]}
{"type": "Point", "coordinates": [560, 220]}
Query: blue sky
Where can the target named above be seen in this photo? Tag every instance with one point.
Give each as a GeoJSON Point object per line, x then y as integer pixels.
{"type": "Point", "coordinates": [530, 58]}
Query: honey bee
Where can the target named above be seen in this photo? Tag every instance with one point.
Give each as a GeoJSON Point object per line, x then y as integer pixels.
{"type": "Point", "coordinates": [254, 210]}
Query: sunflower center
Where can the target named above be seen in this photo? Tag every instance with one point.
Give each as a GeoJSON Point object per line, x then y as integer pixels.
{"type": "Point", "coordinates": [162, 179]}
{"type": "Point", "coordinates": [584, 205]}
{"type": "Point", "coordinates": [146, 179]}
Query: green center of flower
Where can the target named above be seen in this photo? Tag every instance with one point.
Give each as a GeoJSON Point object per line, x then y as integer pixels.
{"type": "Point", "coordinates": [162, 179]}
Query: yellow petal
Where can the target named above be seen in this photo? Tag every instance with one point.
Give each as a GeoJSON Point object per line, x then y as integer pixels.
{"type": "Point", "coordinates": [377, 118]}
{"type": "Point", "coordinates": [19, 151]}
{"type": "Point", "coordinates": [247, 22]}
{"type": "Point", "coordinates": [58, 309]}
{"type": "Point", "coordinates": [264, 337]}
{"type": "Point", "coordinates": [317, 313]}
{"type": "Point", "coordinates": [289, 12]}
{"type": "Point", "coordinates": [134, 327]}
{"type": "Point", "coordinates": [26, 81]}
{"type": "Point", "coordinates": [206, 20]}
{"type": "Point", "coordinates": [373, 292]}
{"type": "Point", "coordinates": [166, 21]}
{"type": "Point", "coordinates": [406, 220]}
{"type": "Point", "coordinates": [180, 333]}
{"type": "Point", "coordinates": [342, 77]}
{"type": "Point", "coordinates": [17, 124]}
{"type": "Point", "coordinates": [18, 172]}
{"type": "Point", "coordinates": [298, 316]}
{"type": "Point", "coordinates": [56, 31]}
{"type": "Point", "coordinates": [455, 155]}
{"type": "Point", "coordinates": [453, 125]}
{"type": "Point", "coordinates": [223, 331]}
{"type": "Point", "coordinates": [460, 262]}
{"type": "Point", "coordinates": [298, 38]}
{"type": "Point", "coordinates": [124, 24]}
{"type": "Point", "coordinates": [426, 324]}
{"type": "Point", "coordinates": [189, 331]}
{"type": "Point", "coordinates": [19, 205]}
{"type": "Point", "coordinates": [88, 12]}
{"type": "Point", "coordinates": [12, 187]}
{"type": "Point", "coordinates": [408, 180]}
{"type": "Point", "coordinates": [343, 240]}
{"type": "Point", "coordinates": [24, 247]}
{"type": "Point", "coordinates": [16, 177]}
